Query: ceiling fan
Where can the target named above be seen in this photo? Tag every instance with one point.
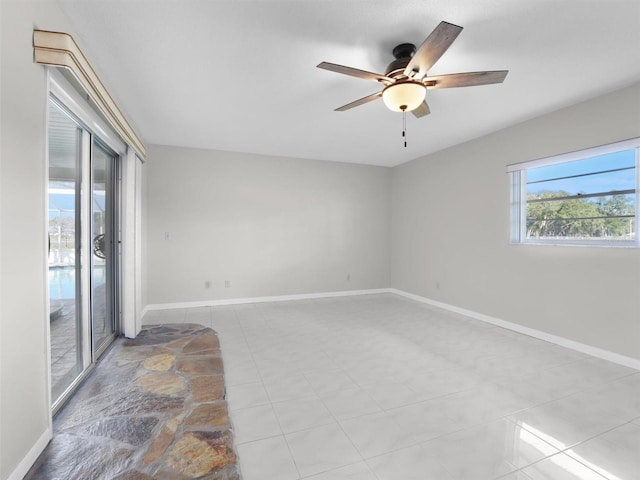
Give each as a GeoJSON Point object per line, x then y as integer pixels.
{"type": "Point", "coordinates": [406, 81]}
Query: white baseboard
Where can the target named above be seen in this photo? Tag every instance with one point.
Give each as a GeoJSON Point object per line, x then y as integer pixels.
{"type": "Point", "coordinates": [273, 298]}
{"type": "Point", "coordinates": [548, 337]}
{"type": "Point", "coordinates": [30, 458]}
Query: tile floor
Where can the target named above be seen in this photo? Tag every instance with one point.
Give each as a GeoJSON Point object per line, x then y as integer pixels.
{"type": "Point", "coordinates": [378, 387]}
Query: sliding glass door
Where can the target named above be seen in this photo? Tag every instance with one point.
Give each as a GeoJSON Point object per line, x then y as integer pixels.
{"type": "Point", "coordinates": [104, 254]}
{"type": "Point", "coordinates": [83, 256]}
{"type": "Point", "coordinates": [65, 286]}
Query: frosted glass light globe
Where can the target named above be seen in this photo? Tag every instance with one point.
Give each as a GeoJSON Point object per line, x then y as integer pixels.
{"type": "Point", "coordinates": [404, 96]}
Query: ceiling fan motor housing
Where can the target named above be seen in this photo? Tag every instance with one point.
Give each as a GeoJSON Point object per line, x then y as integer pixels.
{"type": "Point", "coordinates": [402, 54]}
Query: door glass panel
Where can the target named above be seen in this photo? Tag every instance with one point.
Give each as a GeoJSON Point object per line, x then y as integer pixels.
{"type": "Point", "coordinates": [64, 250]}
{"type": "Point", "coordinates": [102, 234]}
{"type": "Point", "coordinates": [82, 261]}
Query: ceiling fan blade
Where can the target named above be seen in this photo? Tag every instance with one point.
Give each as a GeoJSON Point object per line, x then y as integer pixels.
{"type": "Point", "coordinates": [432, 49]}
{"type": "Point", "coordinates": [359, 102]}
{"type": "Point", "coordinates": [422, 110]}
{"type": "Point", "coordinates": [354, 72]}
{"type": "Point", "coordinates": [468, 79]}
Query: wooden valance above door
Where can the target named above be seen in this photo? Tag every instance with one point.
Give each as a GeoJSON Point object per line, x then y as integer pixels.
{"type": "Point", "coordinates": [60, 50]}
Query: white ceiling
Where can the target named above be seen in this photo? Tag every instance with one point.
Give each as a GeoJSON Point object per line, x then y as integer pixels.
{"type": "Point", "coordinates": [241, 75]}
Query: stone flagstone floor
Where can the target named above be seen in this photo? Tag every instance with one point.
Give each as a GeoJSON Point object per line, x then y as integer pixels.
{"type": "Point", "coordinates": [154, 408]}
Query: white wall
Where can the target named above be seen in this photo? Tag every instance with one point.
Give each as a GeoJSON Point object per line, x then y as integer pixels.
{"type": "Point", "coordinates": [24, 413]}
{"type": "Point", "coordinates": [450, 226]}
{"type": "Point", "coordinates": [281, 226]}
{"type": "Point", "coordinates": [269, 225]}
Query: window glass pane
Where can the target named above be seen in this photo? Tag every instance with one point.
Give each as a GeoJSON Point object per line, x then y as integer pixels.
{"type": "Point", "coordinates": [612, 161]}
{"type": "Point", "coordinates": [620, 180]}
{"type": "Point", "coordinates": [610, 217]}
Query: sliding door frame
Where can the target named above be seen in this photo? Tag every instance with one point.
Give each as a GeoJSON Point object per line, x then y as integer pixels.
{"type": "Point", "coordinates": [113, 223]}
{"type": "Point", "coordinates": [93, 128]}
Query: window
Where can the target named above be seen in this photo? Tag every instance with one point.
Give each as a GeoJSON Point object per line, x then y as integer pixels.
{"type": "Point", "coordinates": [579, 198]}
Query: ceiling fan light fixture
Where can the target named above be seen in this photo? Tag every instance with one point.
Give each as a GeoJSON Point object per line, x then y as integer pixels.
{"type": "Point", "coordinates": [404, 96]}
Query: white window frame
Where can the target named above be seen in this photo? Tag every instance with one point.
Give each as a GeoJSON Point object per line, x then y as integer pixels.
{"type": "Point", "coordinates": [518, 181]}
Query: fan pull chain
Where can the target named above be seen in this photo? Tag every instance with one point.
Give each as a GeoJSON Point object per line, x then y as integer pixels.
{"type": "Point", "coordinates": [404, 127]}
